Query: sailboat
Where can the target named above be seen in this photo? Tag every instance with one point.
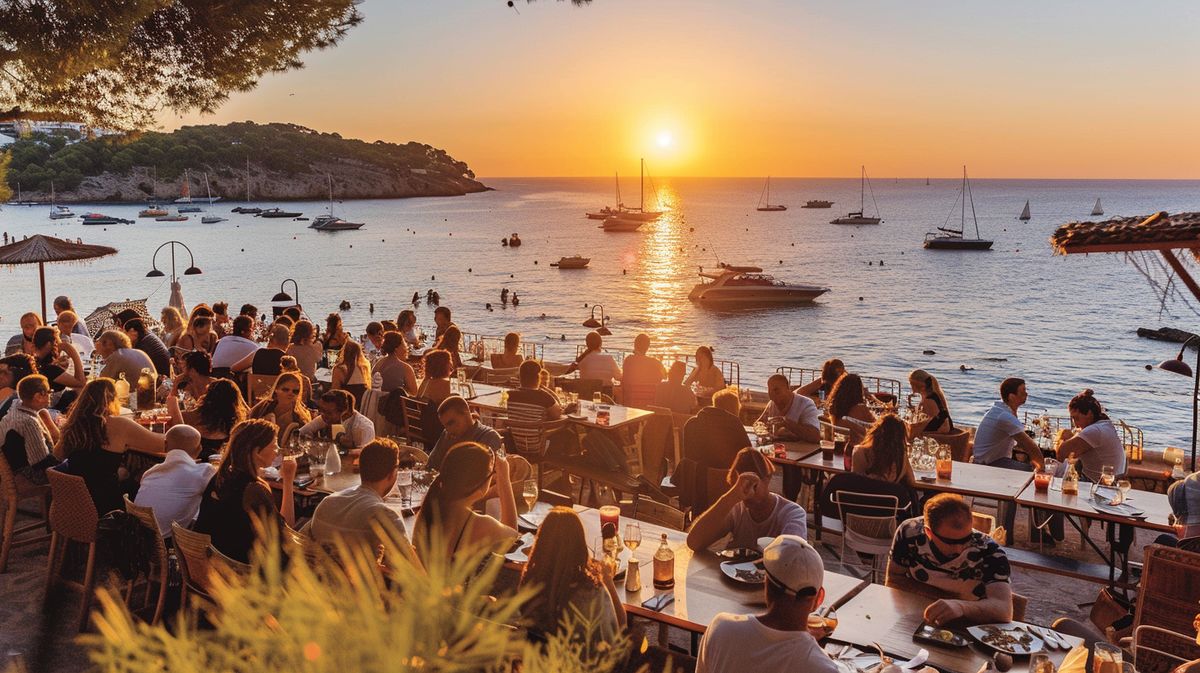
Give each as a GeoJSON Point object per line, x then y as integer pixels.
{"type": "Point", "coordinates": [1025, 213]}
{"type": "Point", "coordinates": [20, 200]}
{"type": "Point", "coordinates": [952, 239]}
{"type": "Point", "coordinates": [246, 209]}
{"type": "Point", "coordinates": [152, 209]}
{"type": "Point", "coordinates": [639, 214]}
{"type": "Point", "coordinates": [764, 200]}
{"type": "Point", "coordinates": [58, 212]}
{"type": "Point", "coordinates": [607, 212]}
{"type": "Point", "coordinates": [210, 218]}
{"type": "Point", "coordinates": [185, 199]}
{"type": "Point", "coordinates": [858, 217]}
{"type": "Point", "coordinates": [1097, 209]}
{"type": "Point", "coordinates": [331, 222]}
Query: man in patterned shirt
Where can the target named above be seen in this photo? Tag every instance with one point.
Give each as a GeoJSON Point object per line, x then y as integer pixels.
{"type": "Point", "coordinates": [940, 553]}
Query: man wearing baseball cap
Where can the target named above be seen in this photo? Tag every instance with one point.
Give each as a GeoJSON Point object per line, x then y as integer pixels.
{"type": "Point", "coordinates": [779, 639]}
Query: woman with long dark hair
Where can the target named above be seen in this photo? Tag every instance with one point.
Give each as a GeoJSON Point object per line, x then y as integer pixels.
{"type": "Point", "coordinates": [236, 495]}
{"type": "Point", "coordinates": [406, 324]}
{"type": "Point", "coordinates": [847, 407]}
{"type": "Point", "coordinates": [707, 374]}
{"type": "Point", "coordinates": [334, 337]}
{"type": "Point", "coordinates": [883, 454]}
{"type": "Point", "coordinates": [448, 523]}
{"type": "Point", "coordinates": [822, 386]}
{"type": "Point", "coordinates": [1095, 441]}
{"type": "Point", "coordinates": [435, 387]}
{"type": "Point", "coordinates": [200, 334]}
{"type": "Point", "coordinates": [215, 414]}
{"type": "Point", "coordinates": [567, 580]}
{"type": "Point", "coordinates": [95, 439]}
{"type": "Point", "coordinates": [305, 349]}
{"type": "Point", "coordinates": [393, 367]}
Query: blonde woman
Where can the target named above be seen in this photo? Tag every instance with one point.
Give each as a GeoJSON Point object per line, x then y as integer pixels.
{"type": "Point", "coordinates": [353, 372]}
{"type": "Point", "coordinates": [172, 325]}
{"type": "Point", "coordinates": [933, 402]}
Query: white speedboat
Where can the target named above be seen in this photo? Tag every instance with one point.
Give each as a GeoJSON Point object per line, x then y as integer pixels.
{"type": "Point", "coordinates": [572, 262]}
{"type": "Point", "coordinates": [748, 285]}
{"type": "Point", "coordinates": [333, 223]}
{"type": "Point", "coordinates": [61, 213]}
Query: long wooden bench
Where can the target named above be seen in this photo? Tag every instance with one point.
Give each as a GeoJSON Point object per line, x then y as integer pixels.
{"type": "Point", "coordinates": [1065, 567]}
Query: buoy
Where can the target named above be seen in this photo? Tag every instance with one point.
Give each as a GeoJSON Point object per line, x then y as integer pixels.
{"type": "Point", "coordinates": [433, 278]}
{"type": "Point", "coordinates": [535, 262]}
{"type": "Point", "coordinates": [928, 351]}
{"type": "Point", "coordinates": [860, 298]}
{"type": "Point", "coordinates": [870, 263]}
{"type": "Point", "coordinates": [469, 270]}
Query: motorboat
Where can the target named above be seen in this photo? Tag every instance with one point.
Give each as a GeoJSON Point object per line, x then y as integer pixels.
{"type": "Point", "coordinates": [948, 238]}
{"type": "Point", "coordinates": [749, 285]}
{"type": "Point", "coordinates": [189, 209]}
{"type": "Point", "coordinates": [858, 217]}
{"type": "Point", "coordinates": [333, 223]}
{"type": "Point", "coordinates": [277, 213]}
{"type": "Point", "coordinates": [152, 210]}
{"type": "Point", "coordinates": [213, 219]}
{"type": "Point", "coordinates": [246, 210]}
{"type": "Point", "coordinates": [817, 203]}
{"type": "Point", "coordinates": [572, 262]}
{"type": "Point", "coordinates": [61, 213]}
{"type": "Point", "coordinates": [172, 218]}
{"type": "Point", "coordinates": [622, 223]}
{"type": "Point", "coordinates": [764, 200]}
{"type": "Point", "coordinates": [100, 218]}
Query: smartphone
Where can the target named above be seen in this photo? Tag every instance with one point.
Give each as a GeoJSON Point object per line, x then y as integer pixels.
{"type": "Point", "coordinates": [658, 602]}
{"type": "Point", "coordinates": [935, 635]}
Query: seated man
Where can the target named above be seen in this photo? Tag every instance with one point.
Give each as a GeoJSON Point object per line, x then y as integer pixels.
{"type": "Point", "coordinates": [353, 514]}
{"type": "Point", "coordinates": [71, 326]}
{"type": "Point", "coordinates": [640, 375]}
{"type": "Point", "coordinates": [748, 510]}
{"type": "Point", "coordinates": [594, 364]}
{"type": "Point", "coordinates": [174, 487]}
{"type": "Point", "coordinates": [460, 425]}
{"type": "Point", "coordinates": [531, 393]}
{"type": "Point", "coordinates": [1184, 498]}
{"type": "Point", "coordinates": [149, 343]}
{"type": "Point", "coordinates": [120, 357]}
{"type": "Point", "coordinates": [712, 438]}
{"type": "Point", "coordinates": [336, 407]}
{"type": "Point", "coordinates": [265, 361]}
{"type": "Point", "coordinates": [27, 431]}
{"type": "Point", "coordinates": [779, 639]}
{"type": "Point", "coordinates": [1000, 431]}
{"type": "Point", "coordinates": [791, 414]}
{"type": "Point", "coordinates": [236, 345]}
{"type": "Point", "coordinates": [672, 394]}
{"type": "Point", "coordinates": [941, 551]}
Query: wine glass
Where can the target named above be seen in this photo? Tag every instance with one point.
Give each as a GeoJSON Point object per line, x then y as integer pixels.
{"type": "Point", "coordinates": [1123, 488]}
{"type": "Point", "coordinates": [633, 535]}
{"type": "Point", "coordinates": [529, 491]}
{"type": "Point", "coordinates": [597, 399]}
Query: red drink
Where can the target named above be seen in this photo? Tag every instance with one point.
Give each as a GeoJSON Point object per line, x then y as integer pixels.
{"type": "Point", "coordinates": [610, 514]}
{"type": "Point", "coordinates": [1041, 482]}
{"type": "Point", "coordinates": [945, 468]}
{"type": "Point", "coordinates": [848, 457]}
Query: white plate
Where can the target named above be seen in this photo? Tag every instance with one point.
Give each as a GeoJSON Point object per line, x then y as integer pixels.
{"type": "Point", "coordinates": [731, 568]}
{"type": "Point", "coordinates": [521, 554]}
{"type": "Point", "coordinates": [1015, 630]}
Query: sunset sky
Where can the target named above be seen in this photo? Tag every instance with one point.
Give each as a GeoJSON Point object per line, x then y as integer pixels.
{"type": "Point", "coordinates": [1019, 88]}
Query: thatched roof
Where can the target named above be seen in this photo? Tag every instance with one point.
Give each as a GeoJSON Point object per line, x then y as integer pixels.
{"type": "Point", "coordinates": [1127, 234]}
{"type": "Point", "coordinates": [39, 248]}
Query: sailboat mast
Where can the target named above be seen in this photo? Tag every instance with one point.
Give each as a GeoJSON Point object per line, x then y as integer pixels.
{"type": "Point", "coordinates": [862, 189]}
{"type": "Point", "coordinates": [768, 190]}
{"type": "Point", "coordinates": [962, 222]}
{"type": "Point", "coordinates": [247, 180]}
{"type": "Point", "coordinates": [972, 195]}
{"type": "Point", "coordinates": [616, 190]}
{"type": "Point", "coordinates": [642, 198]}
{"type": "Point", "coordinates": [330, 193]}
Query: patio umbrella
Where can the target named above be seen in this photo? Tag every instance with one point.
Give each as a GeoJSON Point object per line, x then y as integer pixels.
{"type": "Point", "coordinates": [39, 249]}
{"type": "Point", "coordinates": [102, 318]}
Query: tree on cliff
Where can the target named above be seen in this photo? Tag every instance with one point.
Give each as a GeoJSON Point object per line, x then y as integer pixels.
{"type": "Point", "coordinates": [5, 190]}
{"type": "Point", "coordinates": [115, 64]}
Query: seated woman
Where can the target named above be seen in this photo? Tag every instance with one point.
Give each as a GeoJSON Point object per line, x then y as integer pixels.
{"type": "Point", "coordinates": [172, 326]}
{"type": "Point", "coordinates": [305, 349]}
{"type": "Point", "coordinates": [447, 524]}
{"type": "Point", "coordinates": [195, 376]}
{"type": "Point", "coordinates": [406, 324]}
{"type": "Point", "coordinates": [748, 510]}
{"type": "Point", "coordinates": [236, 495]}
{"type": "Point", "coordinates": [199, 334]}
{"type": "Point", "coordinates": [1095, 441]}
{"type": "Point", "coordinates": [568, 582]}
{"type": "Point", "coordinates": [95, 439]}
{"type": "Point", "coordinates": [706, 374]}
{"type": "Point", "coordinates": [214, 416]}
{"type": "Point", "coordinates": [435, 387]}
{"type": "Point", "coordinates": [511, 357]}
{"type": "Point", "coordinates": [821, 387]}
{"type": "Point", "coordinates": [394, 367]}
{"type": "Point", "coordinates": [883, 454]}
{"type": "Point", "coordinates": [334, 337]}
{"type": "Point", "coordinates": [933, 404]}
{"type": "Point", "coordinates": [847, 408]}
{"type": "Point", "coordinates": [353, 372]}
{"type": "Point", "coordinates": [285, 404]}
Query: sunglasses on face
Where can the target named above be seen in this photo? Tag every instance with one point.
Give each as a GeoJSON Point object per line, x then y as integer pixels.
{"type": "Point", "coordinates": [953, 540]}
{"type": "Point", "coordinates": [292, 391]}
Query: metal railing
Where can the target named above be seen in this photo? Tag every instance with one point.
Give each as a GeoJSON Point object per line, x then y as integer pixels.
{"type": "Point", "coordinates": [798, 376]}
{"type": "Point", "coordinates": [731, 370]}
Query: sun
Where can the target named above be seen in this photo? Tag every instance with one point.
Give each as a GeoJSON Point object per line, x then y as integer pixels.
{"type": "Point", "coordinates": [665, 139]}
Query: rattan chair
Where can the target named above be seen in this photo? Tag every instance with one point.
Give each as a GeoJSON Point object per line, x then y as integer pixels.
{"type": "Point", "coordinates": [192, 553]}
{"type": "Point", "coordinates": [73, 518]}
{"type": "Point", "coordinates": [159, 565]}
{"type": "Point", "coordinates": [1159, 650]}
{"type": "Point", "coordinates": [13, 491]}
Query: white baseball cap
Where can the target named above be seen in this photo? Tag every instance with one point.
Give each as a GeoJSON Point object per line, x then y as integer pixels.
{"type": "Point", "coordinates": [793, 564]}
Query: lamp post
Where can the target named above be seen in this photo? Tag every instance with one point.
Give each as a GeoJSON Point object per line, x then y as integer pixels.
{"type": "Point", "coordinates": [192, 270]}
{"type": "Point", "coordinates": [601, 327]}
{"type": "Point", "coordinates": [282, 299]}
{"type": "Point", "coordinates": [1178, 366]}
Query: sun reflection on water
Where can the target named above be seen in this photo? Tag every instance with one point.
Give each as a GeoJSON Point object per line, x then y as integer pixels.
{"type": "Point", "coordinates": [661, 279]}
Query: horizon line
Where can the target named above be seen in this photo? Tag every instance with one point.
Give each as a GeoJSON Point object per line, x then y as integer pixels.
{"type": "Point", "coordinates": [827, 177]}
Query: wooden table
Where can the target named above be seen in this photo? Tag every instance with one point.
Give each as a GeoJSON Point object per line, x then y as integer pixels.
{"type": "Point", "coordinates": [890, 616]}
{"type": "Point", "coordinates": [619, 415]}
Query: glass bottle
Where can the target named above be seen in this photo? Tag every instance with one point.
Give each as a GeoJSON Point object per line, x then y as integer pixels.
{"type": "Point", "coordinates": [145, 389]}
{"type": "Point", "coordinates": [1177, 472]}
{"type": "Point", "coordinates": [664, 566]}
{"type": "Point", "coordinates": [122, 388]}
{"type": "Point", "coordinates": [1070, 482]}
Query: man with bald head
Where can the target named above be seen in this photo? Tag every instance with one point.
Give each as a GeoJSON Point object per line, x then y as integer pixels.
{"type": "Point", "coordinates": [173, 487]}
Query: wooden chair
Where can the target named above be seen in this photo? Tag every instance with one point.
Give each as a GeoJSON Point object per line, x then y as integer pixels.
{"type": "Point", "coordinates": [1170, 589]}
{"type": "Point", "coordinates": [500, 377]}
{"type": "Point", "coordinates": [414, 416]}
{"type": "Point", "coordinates": [959, 441]}
{"type": "Point", "coordinates": [192, 552]}
{"type": "Point", "coordinates": [531, 438]}
{"type": "Point", "coordinates": [659, 514]}
{"type": "Point", "coordinates": [13, 491]}
{"type": "Point", "coordinates": [1159, 650]}
{"type": "Point", "coordinates": [73, 518]}
{"type": "Point", "coordinates": [1019, 604]}
{"type": "Point", "coordinates": [658, 440]}
{"type": "Point", "coordinates": [639, 395]}
{"type": "Point", "coordinates": [258, 386]}
{"type": "Point", "coordinates": [159, 565]}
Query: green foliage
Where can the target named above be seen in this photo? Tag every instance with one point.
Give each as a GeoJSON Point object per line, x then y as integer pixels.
{"type": "Point", "coordinates": [116, 64]}
{"type": "Point", "coordinates": [5, 191]}
{"type": "Point", "coordinates": [219, 150]}
{"type": "Point", "coordinates": [321, 616]}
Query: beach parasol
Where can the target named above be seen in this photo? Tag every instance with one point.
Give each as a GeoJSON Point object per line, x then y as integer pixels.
{"type": "Point", "coordinates": [39, 249]}
{"type": "Point", "coordinates": [103, 317]}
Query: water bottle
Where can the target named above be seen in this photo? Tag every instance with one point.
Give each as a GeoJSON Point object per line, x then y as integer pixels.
{"type": "Point", "coordinates": [664, 566]}
{"type": "Point", "coordinates": [333, 461]}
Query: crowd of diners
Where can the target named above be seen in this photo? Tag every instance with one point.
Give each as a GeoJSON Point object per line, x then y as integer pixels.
{"type": "Point", "coordinates": [57, 413]}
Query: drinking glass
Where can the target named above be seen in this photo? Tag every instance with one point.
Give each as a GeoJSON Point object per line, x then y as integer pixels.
{"type": "Point", "coordinates": [633, 535]}
{"type": "Point", "coordinates": [760, 431]}
{"type": "Point", "coordinates": [1107, 475]}
{"type": "Point", "coordinates": [597, 399]}
{"type": "Point", "coordinates": [604, 550]}
{"type": "Point", "coordinates": [529, 491]}
{"type": "Point", "coordinates": [1106, 658]}
{"type": "Point", "coordinates": [574, 399]}
{"type": "Point", "coordinates": [1040, 663]}
{"type": "Point", "coordinates": [404, 485]}
{"type": "Point", "coordinates": [1123, 488]}
{"type": "Point", "coordinates": [558, 393]}
{"type": "Point", "coordinates": [462, 377]}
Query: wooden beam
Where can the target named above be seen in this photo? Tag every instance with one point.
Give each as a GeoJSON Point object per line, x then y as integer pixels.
{"type": "Point", "coordinates": [1183, 273]}
{"type": "Point", "coordinates": [1129, 247]}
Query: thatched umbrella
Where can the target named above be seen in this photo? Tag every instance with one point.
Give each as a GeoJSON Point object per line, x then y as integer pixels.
{"type": "Point", "coordinates": [40, 250]}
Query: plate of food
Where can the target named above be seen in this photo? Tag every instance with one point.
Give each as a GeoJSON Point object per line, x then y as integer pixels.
{"type": "Point", "coordinates": [744, 566]}
{"type": "Point", "coordinates": [1010, 638]}
{"type": "Point", "coordinates": [939, 636]}
{"type": "Point", "coordinates": [520, 549]}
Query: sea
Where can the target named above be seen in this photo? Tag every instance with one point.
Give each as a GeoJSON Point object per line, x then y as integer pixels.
{"type": "Point", "coordinates": [969, 318]}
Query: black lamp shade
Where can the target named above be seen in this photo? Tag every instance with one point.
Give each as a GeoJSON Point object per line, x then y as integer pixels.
{"type": "Point", "coordinates": [281, 297]}
{"type": "Point", "coordinates": [193, 271]}
{"type": "Point", "coordinates": [604, 331]}
{"type": "Point", "coordinates": [155, 273]}
{"type": "Point", "coordinates": [1176, 366]}
{"type": "Point", "coordinates": [591, 322]}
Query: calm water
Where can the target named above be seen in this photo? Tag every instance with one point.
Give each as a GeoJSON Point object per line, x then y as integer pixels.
{"type": "Point", "coordinates": [1060, 323]}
